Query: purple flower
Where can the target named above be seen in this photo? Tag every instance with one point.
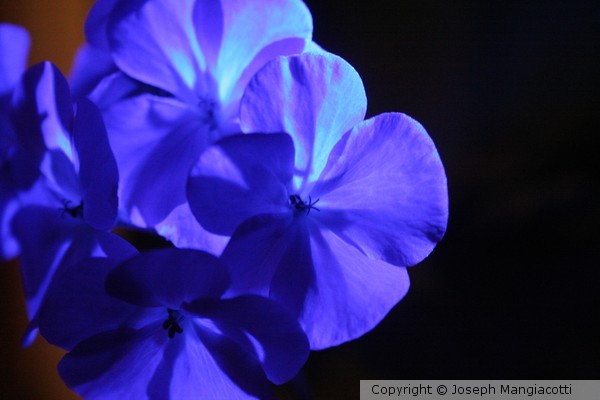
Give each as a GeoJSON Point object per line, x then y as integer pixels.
{"type": "Point", "coordinates": [327, 219]}
{"type": "Point", "coordinates": [184, 66]}
{"type": "Point", "coordinates": [66, 215]}
{"type": "Point", "coordinates": [166, 331]}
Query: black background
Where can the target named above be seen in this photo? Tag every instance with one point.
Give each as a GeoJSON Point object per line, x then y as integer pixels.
{"type": "Point", "coordinates": [510, 93]}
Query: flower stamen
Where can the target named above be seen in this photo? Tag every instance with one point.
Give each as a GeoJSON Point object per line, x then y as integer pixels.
{"type": "Point", "coordinates": [301, 205]}
{"type": "Point", "coordinates": [172, 323]}
{"type": "Point", "coordinates": [73, 211]}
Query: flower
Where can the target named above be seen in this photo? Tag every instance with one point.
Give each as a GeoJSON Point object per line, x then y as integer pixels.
{"type": "Point", "coordinates": [66, 215]}
{"type": "Point", "coordinates": [327, 219]}
{"type": "Point", "coordinates": [184, 65]}
{"type": "Point", "coordinates": [14, 44]}
{"type": "Point", "coordinates": [166, 331]}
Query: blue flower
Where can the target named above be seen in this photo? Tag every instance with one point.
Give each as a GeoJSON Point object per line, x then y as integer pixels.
{"type": "Point", "coordinates": [327, 219]}
{"type": "Point", "coordinates": [68, 212]}
{"type": "Point", "coordinates": [166, 331]}
{"type": "Point", "coordinates": [184, 66]}
{"type": "Point", "coordinates": [14, 45]}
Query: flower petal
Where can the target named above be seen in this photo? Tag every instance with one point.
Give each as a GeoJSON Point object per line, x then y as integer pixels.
{"type": "Point", "coordinates": [91, 65]}
{"type": "Point", "coordinates": [50, 240]}
{"type": "Point", "coordinates": [45, 238]}
{"type": "Point", "coordinates": [14, 45]}
{"type": "Point", "coordinates": [114, 88]}
{"type": "Point", "coordinates": [116, 364]}
{"type": "Point", "coordinates": [234, 42]}
{"type": "Point", "coordinates": [11, 201]}
{"type": "Point", "coordinates": [9, 205]}
{"type": "Point", "coordinates": [77, 305]}
{"type": "Point", "coordinates": [185, 232]}
{"type": "Point", "coordinates": [337, 292]}
{"type": "Point", "coordinates": [156, 141]}
{"type": "Point", "coordinates": [315, 98]}
{"type": "Point", "coordinates": [154, 41]}
{"type": "Point", "coordinates": [282, 343]}
{"type": "Point", "coordinates": [238, 177]}
{"type": "Point", "coordinates": [351, 293]}
{"type": "Point", "coordinates": [213, 366]}
{"type": "Point", "coordinates": [96, 24]}
{"type": "Point", "coordinates": [384, 190]}
{"type": "Point", "coordinates": [98, 175]}
{"type": "Point", "coordinates": [269, 255]}
{"type": "Point", "coordinates": [168, 277]}
{"type": "Point", "coordinates": [43, 119]}
{"type": "Point", "coordinates": [41, 110]}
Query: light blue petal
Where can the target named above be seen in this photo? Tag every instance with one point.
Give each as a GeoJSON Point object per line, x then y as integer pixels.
{"type": "Point", "coordinates": [240, 36]}
{"type": "Point", "coordinates": [316, 98]}
{"type": "Point", "coordinates": [314, 47]}
{"type": "Point", "coordinates": [182, 229]}
{"type": "Point", "coordinates": [384, 190]}
{"type": "Point", "coordinates": [351, 293]}
{"type": "Point", "coordinates": [155, 43]}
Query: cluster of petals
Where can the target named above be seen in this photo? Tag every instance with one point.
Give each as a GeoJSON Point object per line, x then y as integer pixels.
{"type": "Point", "coordinates": [67, 213]}
{"type": "Point", "coordinates": [326, 216]}
{"type": "Point", "coordinates": [180, 69]}
{"type": "Point", "coordinates": [157, 326]}
{"type": "Point", "coordinates": [222, 127]}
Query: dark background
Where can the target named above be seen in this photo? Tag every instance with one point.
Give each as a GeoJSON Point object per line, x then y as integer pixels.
{"type": "Point", "coordinates": [510, 93]}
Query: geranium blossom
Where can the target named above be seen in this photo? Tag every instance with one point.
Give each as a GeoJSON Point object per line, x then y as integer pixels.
{"type": "Point", "coordinates": [325, 220]}
{"type": "Point", "coordinates": [182, 68]}
{"type": "Point", "coordinates": [220, 126]}
{"type": "Point", "coordinates": [166, 332]}
{"type": "Point", "coordinates": [66, 215]}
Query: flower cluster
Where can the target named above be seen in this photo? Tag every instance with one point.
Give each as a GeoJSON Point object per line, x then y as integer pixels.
{"type": "Point", "coordinates": [222, 127]}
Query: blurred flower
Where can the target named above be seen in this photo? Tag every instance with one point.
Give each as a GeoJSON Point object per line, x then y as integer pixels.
{"type": "Point", "coordinates": [66, 215]}
{"type": "Point", "coordinates": [14, 47]}
{"type": "Point", "coordinates": [182, 69]}
{"type": "Point", "coordinates": [324, 220]}
{"type": "Point", "coordinates": [166, 332]}
{"type": "Point", "coordinates": [14, 44]}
